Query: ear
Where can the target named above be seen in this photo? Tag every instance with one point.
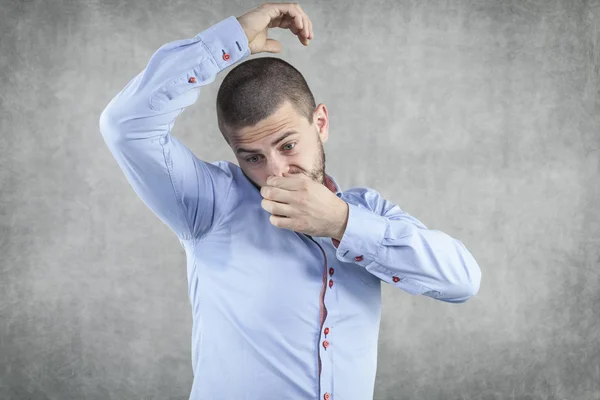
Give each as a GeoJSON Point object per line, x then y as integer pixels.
{"type": "Point", "coordinates": [321, 120]}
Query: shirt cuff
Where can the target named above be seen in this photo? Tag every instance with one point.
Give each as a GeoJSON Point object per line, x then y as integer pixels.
{"type": "Point", "coordinates": [363, 237]}
{"type": "Point", "coordinates": [226, 41]}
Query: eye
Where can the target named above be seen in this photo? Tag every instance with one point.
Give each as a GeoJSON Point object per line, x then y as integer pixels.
{"type": "Point", "coordinates": [290, 144]}
{"type": "Point", "coordinates": [285, 147]}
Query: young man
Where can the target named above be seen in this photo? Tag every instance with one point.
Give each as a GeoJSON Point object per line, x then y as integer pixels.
{"type": "Point", "coordinates": [284, 268]}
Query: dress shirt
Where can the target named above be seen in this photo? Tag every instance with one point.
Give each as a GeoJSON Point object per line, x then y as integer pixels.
{"type": "Point", "coordinates": [276, 314]}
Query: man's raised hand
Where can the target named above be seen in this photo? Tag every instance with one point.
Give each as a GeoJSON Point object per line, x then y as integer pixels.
{"type": "Point", "coordinates": [257, 21]}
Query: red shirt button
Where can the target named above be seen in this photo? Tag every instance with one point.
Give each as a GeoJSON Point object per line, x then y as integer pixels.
{"type": "Point", "coordinates": [395, 279]}
{"type": "Point", "coordinates": [325, 344]}
{"type": "Point", "coordinates": [326, 396]}
{"type": "Point", "coordinates": [330, 282]}
{"type": "Point", "coordinates": [226, 57]}
{"type": "Point", "coordinates": [326, 331]}
{"type": "Point", "coordinates": [330, 271]}
{"type": "Point", "coordinates": [359, 258]}
{"type": "Point", "coordinates": [192, 80]}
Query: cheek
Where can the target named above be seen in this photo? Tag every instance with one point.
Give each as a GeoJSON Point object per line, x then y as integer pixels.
{"type": "Point", "coordinates": [255, 176]}
{"type": "Point", "coordinates": [305, 161]}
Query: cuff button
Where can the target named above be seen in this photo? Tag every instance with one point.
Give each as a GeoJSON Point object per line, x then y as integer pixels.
{"type": "Point", "coordinates": [192, 80]}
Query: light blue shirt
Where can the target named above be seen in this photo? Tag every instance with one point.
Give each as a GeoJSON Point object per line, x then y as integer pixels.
{"type": "Point", "coordinates": [271, 307]}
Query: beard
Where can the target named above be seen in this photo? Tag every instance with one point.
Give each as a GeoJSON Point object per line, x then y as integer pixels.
{"type": "Point", "coordinates": [317, 172]}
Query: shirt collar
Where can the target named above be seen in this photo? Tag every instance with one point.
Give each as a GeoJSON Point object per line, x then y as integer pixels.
{"type": "Point", "coordinates": [332, 185]}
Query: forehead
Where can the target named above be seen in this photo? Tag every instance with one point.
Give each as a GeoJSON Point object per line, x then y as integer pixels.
{"type": "Point", "coordinates": [284, 122]}
{"type": "Point", "coordinates": [286, 114]}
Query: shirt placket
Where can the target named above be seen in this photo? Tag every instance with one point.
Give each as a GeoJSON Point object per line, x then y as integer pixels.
{"type": "Point", "coordinates": [325, 347]}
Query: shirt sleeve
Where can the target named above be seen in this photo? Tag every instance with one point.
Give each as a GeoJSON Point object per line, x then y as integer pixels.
{"type": "Point", "coordinates": [185, 192]}
{"type": "Point", "coordinates": [400, 250]}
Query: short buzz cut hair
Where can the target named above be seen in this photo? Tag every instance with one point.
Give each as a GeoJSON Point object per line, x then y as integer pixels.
{"type": "Point", "coordinates": [255, 89]}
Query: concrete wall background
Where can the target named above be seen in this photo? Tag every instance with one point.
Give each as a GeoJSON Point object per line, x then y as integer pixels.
{"type": "Point", "coordinates": [481, 118]}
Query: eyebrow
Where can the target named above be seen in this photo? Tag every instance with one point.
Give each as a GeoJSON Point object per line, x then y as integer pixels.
{"type": "Point", "coordinates": [282, 137]}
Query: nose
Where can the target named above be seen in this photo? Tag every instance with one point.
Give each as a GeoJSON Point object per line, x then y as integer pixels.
{"type": "Point", "coordinates": [277, 167]}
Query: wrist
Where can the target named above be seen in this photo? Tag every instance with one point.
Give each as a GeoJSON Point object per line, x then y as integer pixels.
{"type": "Point", "coordinates": [342, 221]}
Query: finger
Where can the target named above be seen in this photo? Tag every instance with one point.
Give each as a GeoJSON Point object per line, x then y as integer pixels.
{"type": "Point", "coordinates": [295, 14]}
{"type": "Point", "coordinates": [299, 181]}
{"type": "Point", "coordinates": [289, 182]}
{"type": "Point", "coordinates": [288, 23]}
{"type": "Point", "coordinates": [299, 18]}
{"type": "Point", "coordinates": [279, 209]}
{"type": "Point", "coordinates": [303, 34]}
{"type": "Point", "coordinates": [307, 24]}
{"type": "Point", "coordinates": [277, 194]}
{"type": "Point", "coordinates": [299, 175]}
{"type": "Point", "coordinates": [283, 222]}
{"type": "Point", "coordinates": [289, 16]}
{"type": "Point", "coordinates": [272, 46]}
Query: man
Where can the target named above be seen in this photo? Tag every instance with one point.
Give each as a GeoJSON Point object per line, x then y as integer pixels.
{"type": "Point", "coordinates": [284, 268]}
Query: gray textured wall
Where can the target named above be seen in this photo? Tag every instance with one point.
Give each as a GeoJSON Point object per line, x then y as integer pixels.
{"type": "Point", "coordinates": [481, 118]}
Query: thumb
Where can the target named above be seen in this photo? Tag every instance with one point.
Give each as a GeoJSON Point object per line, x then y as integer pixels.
{"type": "Point", "coordinates": [272, 46]}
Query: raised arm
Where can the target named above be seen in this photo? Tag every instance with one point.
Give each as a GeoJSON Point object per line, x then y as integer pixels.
{"type": "Point", "coordinates": [186, 193]}
{"type": "Point", "coordinates": [183, 191]}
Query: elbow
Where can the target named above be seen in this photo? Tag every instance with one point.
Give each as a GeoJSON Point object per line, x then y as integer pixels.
{"type": "Point", "coordinates": [462, 291]}
{"type": "Point", "coordinates": [460, 294]}
{"type": "Point", "coordinates": [474, 277]}
{"type": "Point", "coordinates": [468, 291]}
{"type": "Point", "coordinates": [105, 124]}
{"type": "Point", "coordinates": [471, 282]}
{"type": "Point", "coordinates": [108, 127]}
